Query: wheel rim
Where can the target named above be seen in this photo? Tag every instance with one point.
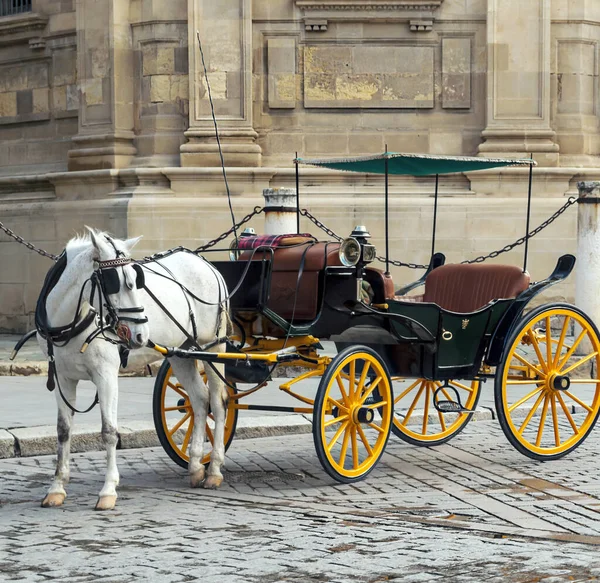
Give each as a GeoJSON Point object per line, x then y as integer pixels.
{"type": "Point", "coordinates": [416, 416]}
{"type": "Point", "coordinates": [537, 401]}
{"type": "Point", "coordinates": [178, 418]}
{"type": "Point", "coordinates": [353, 436]}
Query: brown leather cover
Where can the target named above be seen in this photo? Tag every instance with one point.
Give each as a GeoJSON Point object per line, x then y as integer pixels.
{"type": "Point", "coordinates": [284, 278]}
{"type": "Point", "coordinates": [467, 288]}
{"type": "Point", "coordinates": [382, 284]}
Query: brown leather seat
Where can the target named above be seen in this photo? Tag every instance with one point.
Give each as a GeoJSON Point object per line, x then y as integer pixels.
{"type": "Point", "coordinates": [284, 278]}
{"type": "Point", "coordinates": [467, 288]}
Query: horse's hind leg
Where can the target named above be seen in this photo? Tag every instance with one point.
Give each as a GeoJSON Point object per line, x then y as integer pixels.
{"type": "Point", "coordinates": [218, 405]}
{"type": "Point", "coordinates": [57, 493]}
{"type": "Point", "coordinates": [106, 382]}
{"type": "Point", "coordinates": [187, 373]}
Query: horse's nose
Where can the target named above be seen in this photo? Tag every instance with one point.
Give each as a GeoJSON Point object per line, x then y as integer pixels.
{"type": "Point", "coordinates": [140, 339]}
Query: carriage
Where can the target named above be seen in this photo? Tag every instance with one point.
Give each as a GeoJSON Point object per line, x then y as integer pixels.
{"type": "Point", "coordinates": [409, 363]}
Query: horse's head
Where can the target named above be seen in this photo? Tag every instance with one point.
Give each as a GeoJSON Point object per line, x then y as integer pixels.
{"type": "Point", "coordinates": [120, 280]}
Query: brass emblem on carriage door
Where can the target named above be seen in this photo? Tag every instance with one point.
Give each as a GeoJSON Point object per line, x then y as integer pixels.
{"type": "Point", "coordinates": [465, 323]}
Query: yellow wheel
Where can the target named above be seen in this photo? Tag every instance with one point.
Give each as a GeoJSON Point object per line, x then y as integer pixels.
{"type": "Point", "coordinates": [349, 437]}
{"type": "Point", "coordinates": [174, 417]}
{"type": "Point", "coordinates": [547, 388]}
{"type": "Point", "coordinates": [418, 422]}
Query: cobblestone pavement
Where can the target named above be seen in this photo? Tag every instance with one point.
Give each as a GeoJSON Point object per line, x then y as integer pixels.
{"type": "Point", "coordinates": [473, 510]}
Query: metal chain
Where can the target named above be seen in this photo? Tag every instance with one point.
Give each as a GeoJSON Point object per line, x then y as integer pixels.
{"type": "Point", "coordinates": [28, 245]}
{"type": "Point", "coordinates": [572, 200]}
{"type": "Point", "coordinates": [257, 210]}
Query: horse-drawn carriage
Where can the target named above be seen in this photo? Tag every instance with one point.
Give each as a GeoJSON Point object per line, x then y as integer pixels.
{"type": "Point", "coordinates": [407, 362]}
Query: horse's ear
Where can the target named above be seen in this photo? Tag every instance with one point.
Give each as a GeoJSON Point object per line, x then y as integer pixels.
{"type": "Point", "coordinates": [131, 243]}
{"type": "Point", "coordinates": [95, 243]}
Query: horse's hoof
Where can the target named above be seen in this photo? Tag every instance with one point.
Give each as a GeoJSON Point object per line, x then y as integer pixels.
{"type": "Point", "coordinates": [197, 478]}
{"type": "Point", "coordinates": [52, 500]}
{"type": "Point", "coordinates": [213, 482]}
{"type": "Point", "coordinates": [106, 503]}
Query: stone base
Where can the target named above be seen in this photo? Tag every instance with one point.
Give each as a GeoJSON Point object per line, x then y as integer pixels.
{"type": "Point", "coordinates": [101, 152]}
{"type": "Point", "coordinates": [521, 144]}
{"type": "Point", "coordinates": [238, 147]}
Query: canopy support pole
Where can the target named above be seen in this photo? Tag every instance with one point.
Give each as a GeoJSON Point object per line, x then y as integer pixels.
{"type": "Point", "coordinates": [528, 215]}
{"type": "Point", "coordinates": [387, 215]}
{"type": "Point", "coordinates": [435, 206]}
{"type": "Point", "coordinates": [297, 196]}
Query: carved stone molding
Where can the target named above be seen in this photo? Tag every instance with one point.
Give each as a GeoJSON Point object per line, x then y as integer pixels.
{"type": "Point", "coordinates": [22, 28]}
{"type": "Point", "coordinates": [375, 5]}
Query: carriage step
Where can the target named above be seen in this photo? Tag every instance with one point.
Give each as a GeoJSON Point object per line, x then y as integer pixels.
{"type": "Point", "coordinates": [451, 407]}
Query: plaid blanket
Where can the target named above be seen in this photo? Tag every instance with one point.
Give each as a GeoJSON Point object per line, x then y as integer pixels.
{"type": "Point", "coordinates": [255, 241]}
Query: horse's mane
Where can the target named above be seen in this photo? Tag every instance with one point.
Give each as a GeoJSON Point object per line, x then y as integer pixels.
{"type": "Point", "coordinates": [83, 242]}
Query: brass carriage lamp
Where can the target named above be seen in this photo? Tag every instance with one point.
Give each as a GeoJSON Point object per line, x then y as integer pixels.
{"type": "Point", "coordinates": [355, 250]}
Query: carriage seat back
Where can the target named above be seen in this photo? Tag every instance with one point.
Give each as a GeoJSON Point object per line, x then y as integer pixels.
{"type": "Point", "coordinates": [286, 263]}
{"type": "Point", "coordinates": [467, 288]}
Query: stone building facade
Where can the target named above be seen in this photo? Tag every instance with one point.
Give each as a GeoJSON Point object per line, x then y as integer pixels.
{"type": "Point", "coordinates": [105, 120]}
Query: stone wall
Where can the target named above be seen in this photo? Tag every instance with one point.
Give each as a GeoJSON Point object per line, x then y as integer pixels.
{"type": "Point", "coordinates": [105, 120]}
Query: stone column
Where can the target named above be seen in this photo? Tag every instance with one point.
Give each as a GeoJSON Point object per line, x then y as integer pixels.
{"type": "Point", "coordinates": [280, 211]}
{"type": "Point", "coordinates": [518, 88]}
{"type": "Point", "coordinates": [587, 281]}
{"type": "Point", "coordinates": [105, 78]}
{"type": "Point", "coordinates": [226, 32]}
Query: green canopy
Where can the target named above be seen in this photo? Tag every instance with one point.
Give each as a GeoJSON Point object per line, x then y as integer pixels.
{"type": "Point", "coordinates": [414, 164]}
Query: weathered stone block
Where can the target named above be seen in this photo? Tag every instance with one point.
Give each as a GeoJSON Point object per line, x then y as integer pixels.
{"type": "Point", "coordinates": [40, 100]}
{"type": "Point", "coordinates": [368, 77]}
{"type": "Point", "coordinates": [282, 73]}
{"type": "Point", "coordinates": [160, 88]}
{"type": "Point", "coordinates": [92, 90]}
{"type": "Point", "coordinates": [7, 444]}
{"type": "Point", "coordinates": [165, 60]}
{"type": "Point", "coordinates": [456, 73]}
{"type": "Point", "coordinates": [179, 87]}
{"type": "Point", "coordinates": [8, 104]}
{"type": "Point", "coordinates": [59, 98]}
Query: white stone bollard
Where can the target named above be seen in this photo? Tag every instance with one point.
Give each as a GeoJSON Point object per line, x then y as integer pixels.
{"type": "Point", "coordinates": [280, 211]}
{"type": "Point", "coordinates": [587, 281]}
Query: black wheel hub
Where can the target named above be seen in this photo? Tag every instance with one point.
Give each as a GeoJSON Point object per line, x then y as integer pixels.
{"type": "Point", "coordinates": [561, 383]}
{"type": "Point", "coordinates": [364, 415]}
{"type": "Point", "coordinates": [181, 403]}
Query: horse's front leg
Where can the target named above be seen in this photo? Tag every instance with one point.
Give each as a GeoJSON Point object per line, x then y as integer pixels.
{"type": "Point", "coordinates": [106, 382]}
{"type": "Point", "coordinates": [57, 493]}
{"type": "Point", "coordinates": [187, 373]}
{"type": "Point", "coordinates": [218, 406]}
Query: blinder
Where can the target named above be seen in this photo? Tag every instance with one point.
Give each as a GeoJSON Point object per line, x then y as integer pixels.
{"type": "Point", "coordinates": [111, 282]}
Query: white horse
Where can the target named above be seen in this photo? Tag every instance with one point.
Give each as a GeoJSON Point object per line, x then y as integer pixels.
{"type": "Point", "coordinates": [97, 255]}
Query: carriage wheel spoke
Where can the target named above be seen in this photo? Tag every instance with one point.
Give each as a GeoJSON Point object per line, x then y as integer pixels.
{"type": "Point", "coordinates": [578, 401]}
{"type": "Point", "coordinates": [370, 389]}
{"type": "Point", "coordinates": [336, 420]}
{"type": "Point", "coordinates": [583, 381]}
{"type": "Point", "coordinates": [536, 347]}
{"type": "Point", "coordinates": [414, 404]}
{"type": "Point", "coordinates": [406, 391]}
{"type": "Point", "coordinates": [342, 390]}
{"type": "Point", "coordinates": [337, 404]}
{"type": "Point", "coordinates": [376, 427]}
{"type": "Point", "coordinates": [549, 358]}
{"type": "Point", "coordinates": [442, 420]}
{"type": "Point", "coordinates": [180, 423]}
{"type": "Point", "coordinates": [177, 388]}
{"type": "Point", "coordinates": [426, 408]}
{"type": "Point", "coordinates": [555, 421]}
{"type": "Point", "coordinates": [344, 449]}
{"type": "Point", "coordinates": [538, 439]}
{"type": "Point", "coordinates": [579, 363]}
{"type": "Point", "coordinates": [567, 413]}
{"type": "Point", "coordinates": [363, 377]}
{"type": "Point", "coordinates": [339, 432]}
{"type": "Point", "coordinates": [531, 413]}
{"type": "Point", "coordinates": [524, 399]}
{"type": "Point", "coordinates": [354, 447]}
{"type": "Point", "coordinates": [572, 349]}
{"type": "Point", "coordinates": [365, 441]}
{"type": "Point", "coordinates": [352, 380]}
{"type": "Point", "coordinates": [561, 341]}
{"type": "Point", "coordinates": [177, 408]}
{"type": "Point", "coordinates": [461, 386]}
{"type": "Point", "coordinates": [527, 364]}
{"type": "Point", "coordinates": [186, 439]}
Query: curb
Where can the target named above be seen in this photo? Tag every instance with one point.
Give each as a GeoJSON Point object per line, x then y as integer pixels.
{"type": "Point", "coordinates": [41, 440]}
